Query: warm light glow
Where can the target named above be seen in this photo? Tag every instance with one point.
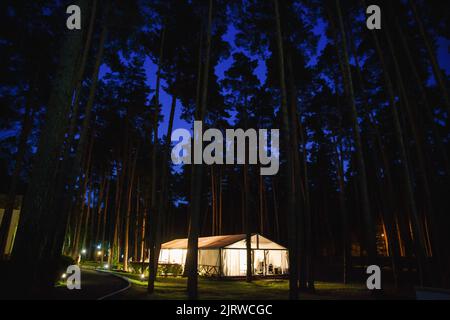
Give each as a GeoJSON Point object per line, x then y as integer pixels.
{"type": "Point", "coordinates": [106, 266]}
{"type": "Point", "coordinates": [164, 256]}
{"type": "Point", "coordinates": [382, 235]}
{"type": "Point", "coordinates": [83, 251]}
{"type": "Point", "coordinates": [242, 261]}
{"type": "Point", "coordinates": [176, 256]}
{"type": "Point", "coordinates": [99, 253]}
{"type": "Point", "coordinates": [63, 276]}
{"type": "Point", "coordinates": [142, 276]}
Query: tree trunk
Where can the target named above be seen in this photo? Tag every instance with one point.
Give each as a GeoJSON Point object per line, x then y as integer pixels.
{"type": "Point", "coordinates": [99, 208]}
{"type": "Point", "coordinates": [305, 220]}
{"type": "Point", "coordinates": [346, 242]}
{"type": "Point", "coordinates": [142, 255]}
{"type": "Point", "coordinates": [81, 199]}
{"type": "Point", "coordinates": [114, 257]}
{"type": "Point", "coordinates": [248, 235]}
{"type": "Point", "coordinates": [192, 254]}
{"type": "Point", "coordinates": [72, 171]}
{"type": "Point", "coordinates": [261, 204]}
{"type": "Point", "coordinates": [78, 83]}
{"type": "Point", "coordinates": [220, 202]}
{"type": "Point", "coordinates": [87, 217]}
{"type": "Point", "coordinates": [35, 227]}
{"type": "Point", "coordinates": [156, 224]}
{"type": "Point", "coordinates": [127, 218]}
{"type": "Point", "coordinates": [292, 215]}
{"type": "Point", "coordinates": [213, 203]}
{"type": "Point", "coordinates": [165, 180]}
{"type": "Point", "coordinates": [136, 225]}
{"type": "Point", "coordinates": [105, 215]}
{"type": "Point", "coordinates": [368, 218]}
{"type": "Point", "coordinates": [275, 211]}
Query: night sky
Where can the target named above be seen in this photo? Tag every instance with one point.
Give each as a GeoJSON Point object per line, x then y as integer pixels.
{"type": "Point", "coordinates": [220, 69]}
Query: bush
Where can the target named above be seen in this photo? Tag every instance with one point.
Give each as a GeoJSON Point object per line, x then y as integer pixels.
{"type": "Point", "coordinates": [163, 269]}
{"type": "Point", "coordinates": [138, 267]}
{"type": "Point", "coordinates": [170, 269]}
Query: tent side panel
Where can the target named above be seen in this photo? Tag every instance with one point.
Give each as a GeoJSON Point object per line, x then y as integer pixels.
{"type": "Point", "coordinates": [172, 256]}
{"type": "Point", "coordinates": [209, 262]}
{"type": "Point", "coordinates": [234, 262]}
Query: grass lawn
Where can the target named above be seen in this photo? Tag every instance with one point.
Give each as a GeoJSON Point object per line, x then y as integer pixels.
{"type": "Point", "coordinates": [174, 288]}
{"type": "Point", "coordinates": [209, 289]}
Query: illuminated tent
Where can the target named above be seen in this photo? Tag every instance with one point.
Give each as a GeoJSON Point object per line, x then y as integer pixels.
{"type": "Point", "coordinates": [226, 255]}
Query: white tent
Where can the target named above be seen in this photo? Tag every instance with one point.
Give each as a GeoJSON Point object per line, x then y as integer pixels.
{"type": "Point", "coordinates": [226, 255]}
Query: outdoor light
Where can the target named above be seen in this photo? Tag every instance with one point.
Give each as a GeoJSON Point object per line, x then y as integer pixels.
{"type": "Point", "coordinates": [83, 251]}
{"type": "Point", "coordinates": [142, 276]}
{"type": "Point", "coordinates": [99, 246]}
{"type": "Point", "coordinates": [106, 266]}
{"type": "Point", "coordinates": [63, 276]}
{"type": "Point", "coordinates": [99, 253]}
{"type": "Point", "coordinates": [382, 235]}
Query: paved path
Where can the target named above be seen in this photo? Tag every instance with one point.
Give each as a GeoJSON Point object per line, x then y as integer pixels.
{"type": "Point", "coordinates": [94, 286]}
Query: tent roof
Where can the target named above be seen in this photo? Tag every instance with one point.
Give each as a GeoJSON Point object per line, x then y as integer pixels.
{"type": "Point", "coordinates": [205, 242]}
{"type": "Point", "coordinates": [215, 242]}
